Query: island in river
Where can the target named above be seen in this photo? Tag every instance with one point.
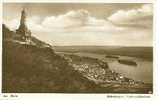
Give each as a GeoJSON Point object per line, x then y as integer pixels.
{"type": "Point", "coordinates": [106, 70]}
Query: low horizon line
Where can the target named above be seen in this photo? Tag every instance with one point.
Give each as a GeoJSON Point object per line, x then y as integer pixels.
{"type": "Point", "coordinates": [103, 45]}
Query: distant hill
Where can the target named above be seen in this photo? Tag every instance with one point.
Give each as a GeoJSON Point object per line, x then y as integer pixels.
{"type": "Point", "coordinates": [37, 68]}
{"type": "Point", "coordinates": [141, 52]}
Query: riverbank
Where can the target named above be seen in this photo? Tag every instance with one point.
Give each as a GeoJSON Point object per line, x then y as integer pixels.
{"type": "Point", "coordinates": [99, 72]}
{"type": "Point", "coordinates": [142, 72]}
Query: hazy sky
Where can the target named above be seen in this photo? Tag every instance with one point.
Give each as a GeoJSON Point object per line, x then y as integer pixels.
{"type": "Point", "coordinates": [85, 23]}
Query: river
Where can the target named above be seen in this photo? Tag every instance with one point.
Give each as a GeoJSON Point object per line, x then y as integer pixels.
{"type": "Point", "coordinates": [142, 72]}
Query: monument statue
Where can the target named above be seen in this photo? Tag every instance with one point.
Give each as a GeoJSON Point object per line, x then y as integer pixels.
{"type": "Point", "coordinates": [23, 32]}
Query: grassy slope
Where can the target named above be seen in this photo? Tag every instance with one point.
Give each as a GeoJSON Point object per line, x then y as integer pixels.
{"type": "Point", "coordinates": [37, 69]}
{"type": "Point", "coordinates": [32, 69]}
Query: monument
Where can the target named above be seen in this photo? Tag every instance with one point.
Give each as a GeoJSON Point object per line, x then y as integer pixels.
{"type": "Point", "coordinates": [23, 32]}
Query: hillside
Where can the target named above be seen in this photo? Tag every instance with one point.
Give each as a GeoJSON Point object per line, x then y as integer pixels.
{"type": "Point", "coordinates": [38, 69]}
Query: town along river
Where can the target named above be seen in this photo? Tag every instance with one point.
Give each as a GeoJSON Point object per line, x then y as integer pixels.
{"type": "Point", "coordinates": [143, 71]}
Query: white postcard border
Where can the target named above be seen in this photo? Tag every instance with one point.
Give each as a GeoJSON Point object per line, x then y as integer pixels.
{"type": "Point", "coordinates": [61, 96]}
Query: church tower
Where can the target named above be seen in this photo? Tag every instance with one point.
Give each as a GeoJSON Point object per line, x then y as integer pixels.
{"type": "Point", "coordinates": [22, 31]}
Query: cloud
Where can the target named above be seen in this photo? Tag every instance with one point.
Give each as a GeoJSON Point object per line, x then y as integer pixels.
{"type": "Point", "coordinates": [78, 18]}
{"type": "Point", "coordinates": [12, 24]}
{"type": "Point", "coordinates": [140, 17]}
{"type": "Point", "coordinates": [70, 22]}
{"type": "Point", "coordinates": [80, 28]}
